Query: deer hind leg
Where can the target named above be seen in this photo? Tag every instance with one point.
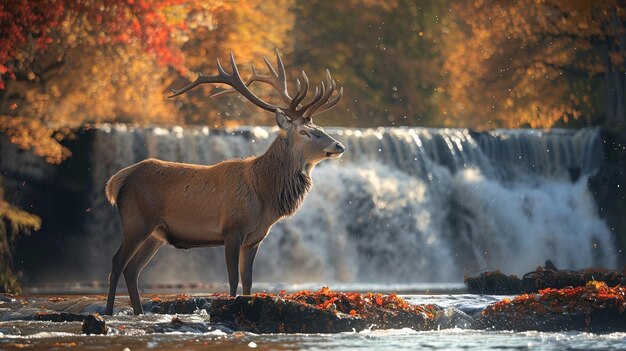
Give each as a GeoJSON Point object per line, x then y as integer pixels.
{"type": "Point", "coordinates": [133, 237]}
{"type": "Point", "coordinates": [134, 268]}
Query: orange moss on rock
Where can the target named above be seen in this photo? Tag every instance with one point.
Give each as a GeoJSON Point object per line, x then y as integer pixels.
{"type": "Point", "coordinates": [543, 278]}
{"type": "Point", "coordinates": [593, 296]}
{"type": "Point", "coordinates": [326, 311]}
{"type": "Point", "coordinates": [354, 303]}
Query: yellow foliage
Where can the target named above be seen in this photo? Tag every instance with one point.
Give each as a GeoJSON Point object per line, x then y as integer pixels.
{"type": "Point", "coordinates": [251, 30]}
{"type": "Point", "coordinates": [522, 63]}
{"type": "Point", "coordinates": [32, 134]}
{"type": "Point", "coordinates": [13, 223]}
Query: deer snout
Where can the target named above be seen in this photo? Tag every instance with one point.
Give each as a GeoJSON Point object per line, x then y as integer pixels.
{"type": "Point", "coordinates": [335, 150]}
{"type": "Point", "coordinates": [340, 148]}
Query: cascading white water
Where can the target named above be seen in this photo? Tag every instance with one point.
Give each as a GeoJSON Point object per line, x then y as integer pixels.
{"type": "Point", "coordinates": [402, 205]}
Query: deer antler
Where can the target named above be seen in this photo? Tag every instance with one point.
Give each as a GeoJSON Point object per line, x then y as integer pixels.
{"type": "Point", "coordinates": [322, 99]}
{"type": "Point", "coordinates": [234, 80]}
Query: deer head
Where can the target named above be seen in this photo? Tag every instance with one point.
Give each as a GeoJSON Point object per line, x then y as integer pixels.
{"type": "Point", "coordinates": [294, 117]}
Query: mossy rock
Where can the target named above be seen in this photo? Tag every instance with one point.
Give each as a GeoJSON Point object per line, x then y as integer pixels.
{"type": "Point", "coordinates": [543, 278]}
{"type": "Point", "coordinates": [593, 308]}
{"type": "Point", "coordinates": [330, 312]}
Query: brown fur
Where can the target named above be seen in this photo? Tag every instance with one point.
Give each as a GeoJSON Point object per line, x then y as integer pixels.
{"type": "Point", "coordinates": [269, 186]}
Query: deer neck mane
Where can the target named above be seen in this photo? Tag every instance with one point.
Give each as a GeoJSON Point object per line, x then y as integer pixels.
{"type": "Point", "coordinates": [281, 178]}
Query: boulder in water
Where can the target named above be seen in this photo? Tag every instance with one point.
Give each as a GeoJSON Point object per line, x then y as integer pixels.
{"type": "Point", "coordinates": [595, 308]}
{"type": "Point", "coordinates": [494, 283]}
{"type": "Point", "coordinates": [326, 311]}
{"type": "Point", "coordinates": [94, 324]}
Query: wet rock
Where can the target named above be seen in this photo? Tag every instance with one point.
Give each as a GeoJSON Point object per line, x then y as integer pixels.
{"type": "Point", "coordinates": [59, 317]}
{"type": "Point", "coordinates": [180, 326]}
{"type": "Point", "coordinates": [180, 305]}
{"type": "Point", "coordinates": [494, 283]}
{"type": "Point", "coordinates": [94, 324]}
{"type": "Point", "coordinates": [593, 308]}
{"type": "Point", "coordinates": [91, 324]}
{"type": "Point", "coordinates": [270, 315]}
{"type": "Point", "coordinates": [547, 276]}
{"type": "Point", "coordinates": [453, 318]}
{"type": "Point", "coordinates": [594, 322]}
{"type": "Point", "coordinates": [325, 312]}
{"type": "Point", "coordinates": [543, 278]}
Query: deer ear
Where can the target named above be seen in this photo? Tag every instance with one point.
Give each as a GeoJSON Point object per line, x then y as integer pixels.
{"type": "Point", "coordinates": [283, 121]}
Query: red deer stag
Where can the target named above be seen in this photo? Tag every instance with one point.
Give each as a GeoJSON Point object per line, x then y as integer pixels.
{"type": "Point", "coordinates": [233, 203]}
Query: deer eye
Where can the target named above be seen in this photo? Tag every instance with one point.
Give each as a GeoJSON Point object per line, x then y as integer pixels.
{"type": "Point", "coordinates": [302, 132]}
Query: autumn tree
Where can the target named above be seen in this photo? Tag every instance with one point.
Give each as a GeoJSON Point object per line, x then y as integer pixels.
{"type": "Point", "coordinates": [385, 53]}
{"type": "Point", "coordinates": [66, 62]}
{"type": "Point", "coordinates": [251, 30]}
{"type": "Point", "coordinates": [537, 63]}
{"type": "Point", "coordinates": [13, 224]}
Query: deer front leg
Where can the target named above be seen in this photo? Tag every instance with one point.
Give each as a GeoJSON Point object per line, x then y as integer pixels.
{"type": "Point", "coordinates": [232, 248]}
{"type": "Point", "coordinates": [245, 267]}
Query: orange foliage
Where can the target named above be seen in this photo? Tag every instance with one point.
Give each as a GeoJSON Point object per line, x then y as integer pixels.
{"type": "Point", "coordinates": [68, 62]}
{"type": "Point", "coordinates": [110, 61]}
{"type": "Point", "coordinates": [532, 62]}
{"type": "Point", "coordinates": [33, 134]}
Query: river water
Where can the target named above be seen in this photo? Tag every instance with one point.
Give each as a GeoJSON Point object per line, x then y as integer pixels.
{"type": "Point", "coordinates": [195, 332]}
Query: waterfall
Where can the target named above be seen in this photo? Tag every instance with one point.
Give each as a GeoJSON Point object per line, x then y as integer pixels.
{"type": "Point", "coordinates": [402, 205]}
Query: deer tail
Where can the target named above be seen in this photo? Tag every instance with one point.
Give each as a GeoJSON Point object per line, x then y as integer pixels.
{"type": "Point", "coordinates": [115, 184]}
